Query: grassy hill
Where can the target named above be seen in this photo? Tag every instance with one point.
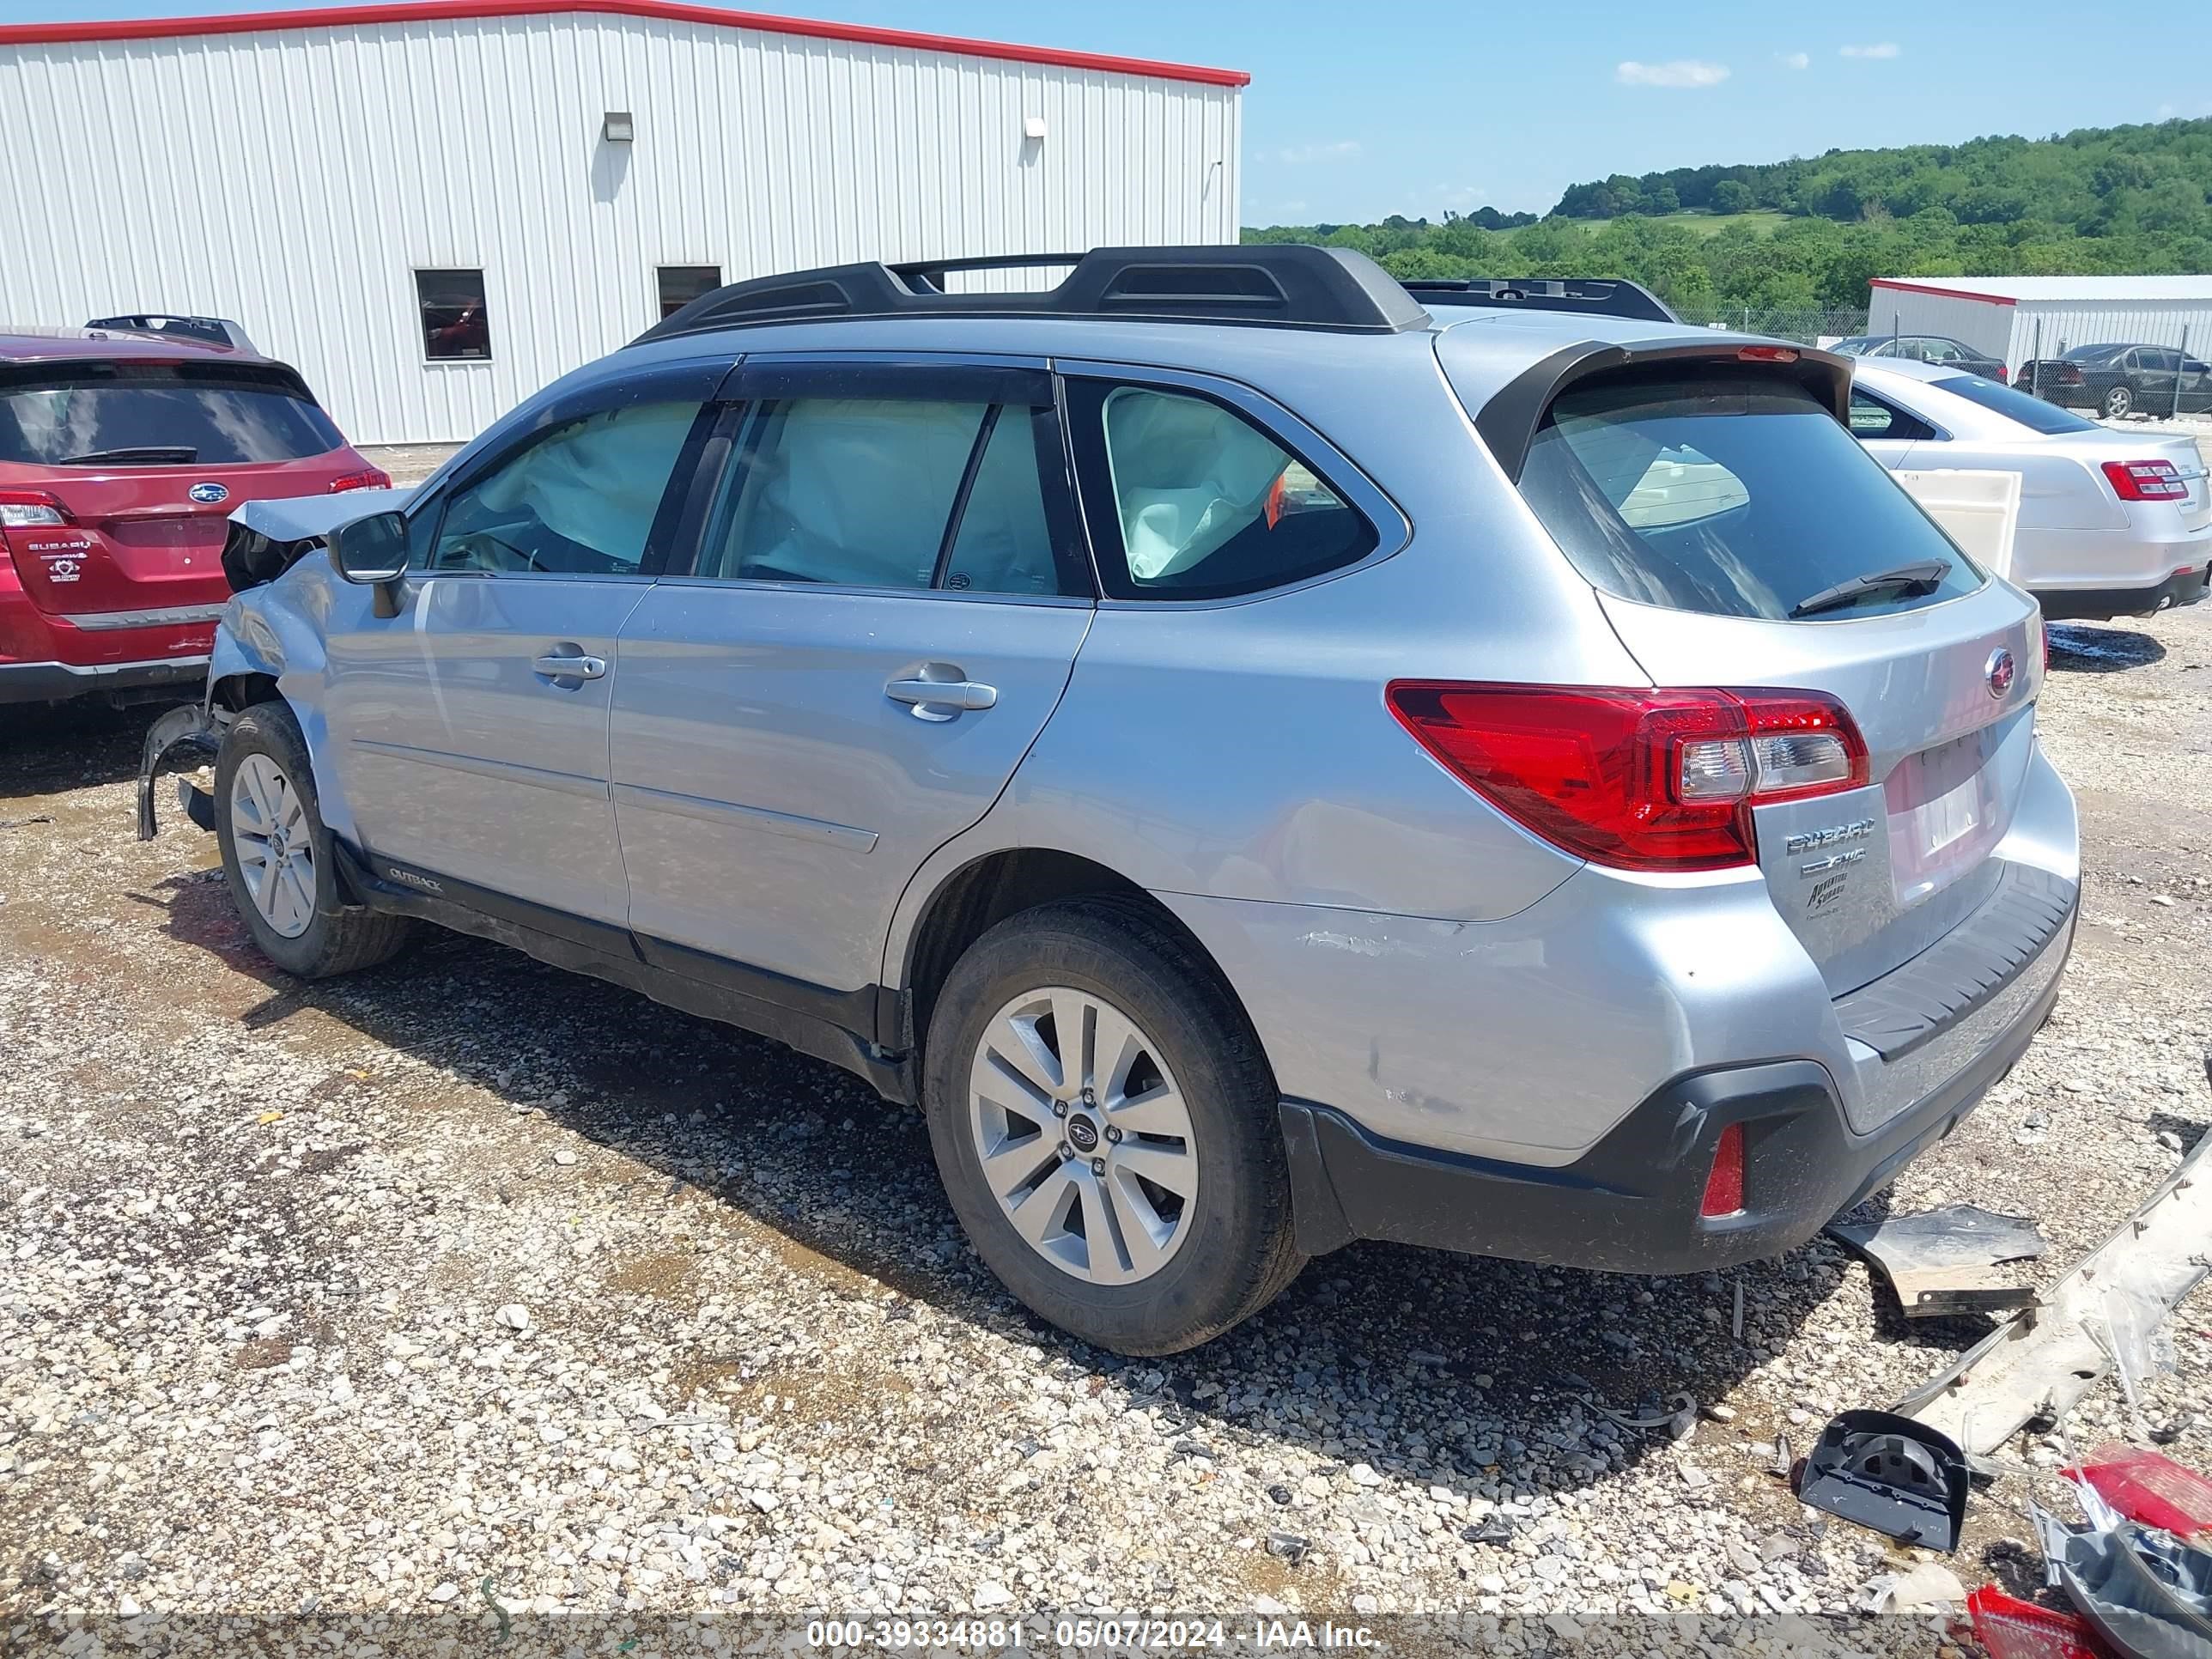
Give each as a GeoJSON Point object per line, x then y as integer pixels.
{"type": "Point", "coordinates": [1806, 235]}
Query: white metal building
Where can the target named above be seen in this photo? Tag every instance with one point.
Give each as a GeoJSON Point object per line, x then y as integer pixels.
{"type": "Point", "coordinates": [434, 208]}
{"type": "Point", "coordinates": [2017, 318]}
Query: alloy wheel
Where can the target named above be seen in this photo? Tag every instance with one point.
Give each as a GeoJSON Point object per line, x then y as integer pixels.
{"type": "Point", "coordinates": [1085, 1139]}
{"type": "Point", "coordinates": [275, 852]}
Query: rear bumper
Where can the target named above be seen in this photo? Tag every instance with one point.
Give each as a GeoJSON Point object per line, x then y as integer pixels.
{"type": "Point", "coordinates": [1630, 1203]}
{"type": "Point", "coordinates": [51, 682]}
{"type": "Point", "coordinates": [2097, 603]}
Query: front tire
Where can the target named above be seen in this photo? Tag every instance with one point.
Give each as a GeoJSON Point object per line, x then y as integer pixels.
{"type": "Point", "coordinates": [278, 859]}
{"type": "Point", "coordinates": [1106, 1129]}
{"type": "Point", "coordinates": [2117, 402]}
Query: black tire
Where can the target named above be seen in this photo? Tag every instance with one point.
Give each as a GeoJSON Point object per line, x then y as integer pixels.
{"type": "Point", "coordinates": [339, 937]}
{"type": "Point", "coordinates": [1239, 1252]}
{"type": "Point", "coordinates": [2117, 402]}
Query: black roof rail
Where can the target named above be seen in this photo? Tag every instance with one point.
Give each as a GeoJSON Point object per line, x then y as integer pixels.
{"type": "Point", "coordinates": [1286, 285]}
{"type": "Point", "coordinates": [207, 331]}
{"type": "Point", "coordinates": [1604, 296]}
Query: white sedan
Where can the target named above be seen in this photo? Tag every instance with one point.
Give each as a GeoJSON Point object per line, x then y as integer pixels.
{"type": "Point", "coordinates": [2111, 523]}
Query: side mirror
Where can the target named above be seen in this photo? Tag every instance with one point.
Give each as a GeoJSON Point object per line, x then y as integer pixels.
{"type": "Point", "coordinates": [371, 551]}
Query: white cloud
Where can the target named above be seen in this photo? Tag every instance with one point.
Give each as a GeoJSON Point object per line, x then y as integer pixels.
{"type": "Point", "coordinates": [1299, 154]}
{"type": "Point", "coordinates": [1794, 59]}
{"type": "Point", "coordinates": [1681, 72]}
{"type": "Point", "coordinates": [1458, 197]}
{"type": "Point", "coordinates": [1879, 49]}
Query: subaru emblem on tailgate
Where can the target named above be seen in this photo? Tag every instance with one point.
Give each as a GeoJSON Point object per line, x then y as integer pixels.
{"type": "Point", "coordinates": [207, 495]}
{"type": "Point", "coordinates": [1998, 672]}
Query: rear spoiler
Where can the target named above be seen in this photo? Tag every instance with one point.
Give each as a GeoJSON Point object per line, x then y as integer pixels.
{"type": "Point", "coordinates": [1606, 296]}
{"type": "Point", "coordinates": [205, 331]}
{"type": "Point", "coordinates": [1509, 422]}
{"type": "Point", "coordinates": [268, 537]}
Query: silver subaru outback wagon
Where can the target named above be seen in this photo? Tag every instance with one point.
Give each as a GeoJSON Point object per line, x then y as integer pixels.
{"type": "Point", "coordinates": [1262, 759]}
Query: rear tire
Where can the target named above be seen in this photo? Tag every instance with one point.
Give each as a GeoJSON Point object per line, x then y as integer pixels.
{"type": "Point", "coordinates": [2117, 402]}
{"type": "Point", "coordinates": [278, 857]}
{"type": "Point", "coordinates": [1138, 1194]}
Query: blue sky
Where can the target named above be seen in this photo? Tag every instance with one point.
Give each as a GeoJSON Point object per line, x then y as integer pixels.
{"type": "Point", "coordinates": [1357, 111]}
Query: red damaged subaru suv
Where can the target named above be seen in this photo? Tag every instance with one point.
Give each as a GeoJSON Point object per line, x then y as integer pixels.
{"type": "Point", "coordinates": [122, 456]}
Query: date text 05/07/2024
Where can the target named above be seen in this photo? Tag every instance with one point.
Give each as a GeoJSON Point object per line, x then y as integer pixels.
{"type": "Point", "coordinates": [1161, 1635]}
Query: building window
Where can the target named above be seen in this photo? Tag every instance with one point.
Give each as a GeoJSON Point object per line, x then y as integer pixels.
{"type": "Point", "coordinates": [456, 327]}
{"type": "Point", "coordinates": [681, 285]}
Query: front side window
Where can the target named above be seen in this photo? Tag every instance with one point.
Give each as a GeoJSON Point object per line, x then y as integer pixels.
{"type": "Point", "coordinates": [579, 501]}
{"type": "Point", "coordinates": [1204, 505]}
{"type": "Point", "coordinates": [96, 414]}
{"type": "Point", "coordinates": [1732, 497]}
{"type": "Point", "coordinates": [456, 322]}
{"type": "Point", "coordinates": [901, 493]}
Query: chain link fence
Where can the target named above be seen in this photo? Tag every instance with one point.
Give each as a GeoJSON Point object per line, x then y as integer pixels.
{"type": "Point", "coordinates": [1805, 327]}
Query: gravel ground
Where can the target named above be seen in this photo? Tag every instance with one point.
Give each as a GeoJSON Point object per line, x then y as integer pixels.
{"type": "Point", "coordinates": [466, 1280]}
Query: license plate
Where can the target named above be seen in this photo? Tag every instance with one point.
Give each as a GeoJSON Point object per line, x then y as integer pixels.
{"type": "Point", "coordinates": [1942, 807]}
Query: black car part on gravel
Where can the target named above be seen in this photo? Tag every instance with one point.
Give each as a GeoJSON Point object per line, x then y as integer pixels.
{"type": "Point", "coordinates": [1900, 1478]}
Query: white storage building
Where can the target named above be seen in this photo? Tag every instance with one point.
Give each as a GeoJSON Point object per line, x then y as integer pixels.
{"type": "Point", "coordinates": [432, 209]}
{"type": "Point", "coordinates": [2018, 318]}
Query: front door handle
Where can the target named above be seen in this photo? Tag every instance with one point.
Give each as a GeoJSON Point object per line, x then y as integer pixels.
{"type": "Point", "coordinates": [562, 666]}
{"type": "Point", "coordinates": [942, 699]}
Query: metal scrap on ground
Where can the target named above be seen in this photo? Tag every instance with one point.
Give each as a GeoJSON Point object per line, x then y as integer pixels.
{"type": "Point", "coordinates": [2043, 1361]}
{"type": "Point", "coordinates": [1945, 1261]}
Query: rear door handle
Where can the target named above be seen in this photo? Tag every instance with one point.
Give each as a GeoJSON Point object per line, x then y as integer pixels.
{"type": "Point", "coordinates": [940, 700]}
{"type": "Point", "coordinates": [562, 667]}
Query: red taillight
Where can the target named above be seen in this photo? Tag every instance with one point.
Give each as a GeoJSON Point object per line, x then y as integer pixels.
{"type": "Point", "coordinates": [2147, 481]}
{"type": "Point", "coordinates": [2002, 375]}
{"type": "Point", "coordinates": [1767, 355]}
{"type": "Point", "coordinates": [31, 509]}
{"type": "Point", "coordinates": [2068, 374]}
{"type": "Point", "coordinates": [373, 479]}
{"type": "Point", "coordinates": [1724, 1185]}
{"type": "Point", "coordinates": [1639, 780]}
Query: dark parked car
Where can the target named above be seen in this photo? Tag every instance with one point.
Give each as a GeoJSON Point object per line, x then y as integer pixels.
{"type": "Point", "coordinates": [1937, 348]}
{"type": "Point", "coordinates": [2120, 380]}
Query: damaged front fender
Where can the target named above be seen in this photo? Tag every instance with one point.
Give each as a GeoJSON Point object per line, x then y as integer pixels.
{"type": "Point", "coordinates": [266, 538]}
{"type": "Point", "coordinates": [184, 739]}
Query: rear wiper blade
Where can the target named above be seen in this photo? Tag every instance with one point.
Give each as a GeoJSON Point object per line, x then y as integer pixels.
{"type": "Point", "coordinates": [143, 455]}
{"type": "Point", "coordinates": [1922, 578]}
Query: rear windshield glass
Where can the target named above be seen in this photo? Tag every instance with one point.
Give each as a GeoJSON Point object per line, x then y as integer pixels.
{"type": "Point", "coordinates": [1734, 497]}
{"type": "Point", "coordinates": [2030, 412]}
{"type": "Point", "coordinates": [2093, 354]}
{"type": "Point", "coordinates": [157, 415]}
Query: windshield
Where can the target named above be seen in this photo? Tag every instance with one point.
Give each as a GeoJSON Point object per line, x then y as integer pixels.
{"type": "Point", "coordinates": [2030, 412]}
{"type": "Point", "coordinates": [2093, 354]}
{"type": "Point", "coordinates": [1859, 345]}
{"type": "Point", "coordinates": [1731, 496]}
{"type": "Point", "coordinates": [158, 415]}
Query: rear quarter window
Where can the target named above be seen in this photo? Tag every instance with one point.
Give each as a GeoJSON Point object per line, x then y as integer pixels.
{"type": "Point", "coordinates": [1734, 497]}
{"type": "Point", "coordinates": [150, 414]}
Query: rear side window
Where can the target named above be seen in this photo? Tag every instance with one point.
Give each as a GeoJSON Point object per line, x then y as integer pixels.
{"type": "Point", "coordinates": [159, 415]}
{"type": "Point", "coordinates": [887, 492]}
{"type": "Point", "coordinates": [1872, 418]}
{"type": "Point", "coordinates": [1730, 497]}
{"type": "Point", "coordinates": [1188, 499]}
{"type": "Point", "coordinates": [2030, 412]}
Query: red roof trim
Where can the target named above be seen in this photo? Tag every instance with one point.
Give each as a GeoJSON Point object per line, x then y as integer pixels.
{"type": "Point", "coordinates": [1947, 293]}
{"type": "Point", "coordinates": [251, 23]}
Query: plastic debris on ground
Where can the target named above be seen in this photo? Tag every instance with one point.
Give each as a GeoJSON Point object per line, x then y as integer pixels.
{"type": "Point", "coordinates": [2107, 1309]}
{"type": "Point", "coordinates": [1898, 1477]}
{"type": "Point", "coordinates": [1944, 1262]}
{"type": "Point", "coordinates": [2148, 1488]}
